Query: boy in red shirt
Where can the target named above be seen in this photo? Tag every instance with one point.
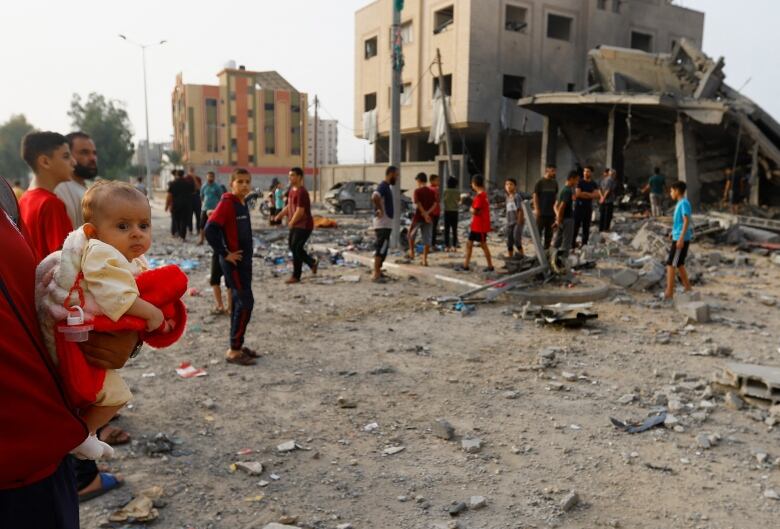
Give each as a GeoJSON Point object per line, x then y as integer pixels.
{"type": "Point", "coordinates": [43, 214]}
{"type": "Point", "coordinates": [436, 213]}
{"type": "Point", "coordinates": [424, 205]}
{"type": "Point", "coordinates": [480, 222]}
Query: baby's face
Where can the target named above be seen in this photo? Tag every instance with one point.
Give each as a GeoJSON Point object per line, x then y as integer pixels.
{"type": "Point", "coordinates": [127, 226]}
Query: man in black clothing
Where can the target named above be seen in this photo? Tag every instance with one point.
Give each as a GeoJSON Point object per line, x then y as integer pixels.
{"type": "Point", "coordinates": [586, 192]}
{"type": "Point", "coordinates": [545, 195]}
{"type": "Point", "coordinates": [179, 203]}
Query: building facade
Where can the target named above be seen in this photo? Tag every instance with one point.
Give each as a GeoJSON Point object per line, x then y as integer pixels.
{"type": "Point", "coordinates": [250, 119]}
{"type": "Point", "coordinates": [327, 142]}
{"type": "Point", "coordinates": [495, 52]}
{"type": "Point", "coordinates": [155, 155]}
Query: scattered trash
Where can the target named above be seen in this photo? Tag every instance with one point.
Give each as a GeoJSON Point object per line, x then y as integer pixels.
{"type": "Point", "coordinates": [140, 509]}
{"type": "Point", "coordinates": [187, 370]}
{"type": "Point", "coordinates": [651, 422]}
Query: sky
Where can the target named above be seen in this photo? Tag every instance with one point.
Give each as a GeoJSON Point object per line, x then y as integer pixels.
{"type": "Point", "coordinates": [50, 49]}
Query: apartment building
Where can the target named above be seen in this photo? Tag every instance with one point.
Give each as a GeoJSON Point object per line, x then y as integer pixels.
{"type": "Point", "coordinates": [495, 52]}
{"type": "Point", "coordinates": [327, 142]}
{"type": "Point", "coordinates": [250, 119]}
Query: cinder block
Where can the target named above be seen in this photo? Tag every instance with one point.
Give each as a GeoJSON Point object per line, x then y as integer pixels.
{"type": "Point", "coordinates": [697, 311]}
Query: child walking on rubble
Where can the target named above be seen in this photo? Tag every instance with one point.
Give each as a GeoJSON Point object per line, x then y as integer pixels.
{"type": "Point", "coordinates": [682, 233]}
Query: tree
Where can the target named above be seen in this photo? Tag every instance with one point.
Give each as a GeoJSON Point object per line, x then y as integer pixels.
{"type": "Point", "coordinates": [12, 167]}
{"type": "Point", "coordinates": [109, 125]}
{"type": "Point", "coordinates": [173, 158]}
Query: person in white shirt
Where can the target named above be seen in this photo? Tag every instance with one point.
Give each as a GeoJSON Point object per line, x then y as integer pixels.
{"type": "Point", "coordinates": [83, 150]}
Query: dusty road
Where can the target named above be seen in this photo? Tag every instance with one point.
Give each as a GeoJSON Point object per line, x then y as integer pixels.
{"type": "Point", "coordinates": [403, 363]}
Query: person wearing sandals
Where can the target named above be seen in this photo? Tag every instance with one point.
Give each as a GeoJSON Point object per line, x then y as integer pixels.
{"type": "Point", "coordinates": [229, 233]}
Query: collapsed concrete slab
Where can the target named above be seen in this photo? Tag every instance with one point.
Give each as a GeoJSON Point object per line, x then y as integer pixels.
{"type": "Point", "coordinates": [668, 110]}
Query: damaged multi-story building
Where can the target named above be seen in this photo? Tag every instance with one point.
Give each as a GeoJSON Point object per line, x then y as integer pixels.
{"type": "Point", "coordinates": [669, 110]}
{"type": "Point", "coordinates": [494, 53]}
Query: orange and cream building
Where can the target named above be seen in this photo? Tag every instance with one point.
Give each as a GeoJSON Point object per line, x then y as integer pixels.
{"type": "Point", "coordinates": [255, 120]}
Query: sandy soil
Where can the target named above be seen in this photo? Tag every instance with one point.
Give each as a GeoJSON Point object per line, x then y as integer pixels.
{"type": "Point", "coordinates": [404, 363]}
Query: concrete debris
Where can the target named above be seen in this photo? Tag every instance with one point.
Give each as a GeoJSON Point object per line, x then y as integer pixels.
{"type": "Point", "coordinates": [457, 508]}
{"type": "Point", "coordinates": [570, 501]}
{"type": "Point", "coordinates": [627, 399]}
{"type": "Point", "coordinates": [442, 429]}
{"type": "Point", "coordinates": [706, 441]}
{"type": "Point", "coordinates": [733, 401]}
{"type": "Point", "coordinates": [253, 468]}
{"type": "Point", "coordinates": [546, 357]}
{"type": "Point", "coordinates": [393, 450]}
{"type": "Point", "coordinates": [625, 278]}
{"type": "Point", "coordinates": [697, 311]}
{"type": "Point", "coordinates": [471, 446]}
{"type": "Point", "coordinates": [771, 494]}
{"type": "Point", "coordinates": [275, 525]}
{"type": "Point", "coordinates": [477, 502]}
{"type": "Point", "coordinates": [754, 381]}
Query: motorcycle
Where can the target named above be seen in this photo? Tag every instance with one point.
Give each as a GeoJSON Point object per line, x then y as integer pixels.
{"type": "Point", "coordinates": [260, 199]}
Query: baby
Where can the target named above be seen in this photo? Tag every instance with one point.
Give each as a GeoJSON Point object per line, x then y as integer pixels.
{"type": "Point", "coordinates": [96, 270]}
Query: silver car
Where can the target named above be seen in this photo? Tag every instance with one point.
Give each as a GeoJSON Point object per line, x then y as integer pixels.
{"type": "Point", "coordinates": [349, 197]}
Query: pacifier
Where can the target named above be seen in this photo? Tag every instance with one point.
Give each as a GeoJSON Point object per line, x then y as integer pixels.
{"type": "Point", "coordinates": [76, 330]}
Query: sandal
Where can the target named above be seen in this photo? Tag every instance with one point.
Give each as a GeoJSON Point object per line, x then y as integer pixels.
{"type": "Point", "coordinates": [217, 311]}
{"type": "Point", "coordinates": [250, 353]}
{"type": "Point", "coordinates": [108, 482]}
{"type": "Point", "coordinates": [113, 435]}
{"type": "Point", "coordinates": [241, 360]}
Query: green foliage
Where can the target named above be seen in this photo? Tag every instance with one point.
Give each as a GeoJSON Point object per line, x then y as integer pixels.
{"type": "Point", "coordinates": [12, 167]}
{"type": "Point", "coordinates": [174, 158]}
{"type": "Point", "coordinates": [109, 125]}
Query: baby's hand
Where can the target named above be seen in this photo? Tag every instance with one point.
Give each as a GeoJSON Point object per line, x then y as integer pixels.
{"type": "Point", "coordinates": [153, 323]}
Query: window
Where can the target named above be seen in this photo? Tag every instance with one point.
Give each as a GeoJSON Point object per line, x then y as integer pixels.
{"type": "Point", "coordinates": [406, 94]}
{"type": "Point", "coordinates": [371, 48]}
{"type": "Point", "coordinates": [516, 19]}
{"type": "Point", "coordinates": [233, 143]}
{"type": "Point", "coordinates": [571, 87]}
{"type": "Point", "coordinates": [406, 34]}
{"type": "Point", "coordinates": [447, 85]}
{"type": "Point", "coordinates": [295, 119]}
{"type": "Point", "coordinates": [232, 96]}
{"type": "Point", "coordinates": [642, 41]}
{"type": "Point", "coordinates": [601, 4]}
{"type": "Point", "coordinates": [232, 120]}
{"type": "Point", "coordinates": [616, 6]}
{"type": "Point", "coordinates": [191, 127]}
{"type": "Point", "coordinates": [251, 159]}
{"type": "Point", "coordinates": [270, 122]}
{"type": "Point", "coordinates": [558, 27]}
{"type": "Point", "coordinates": [369, 102]}
{"type": "Point", "coordinates": [443, 18]}
{"type": "Point", "coordinates": [251, 136]}
{"type": "Point", "coordinates": [513, 86]}
{"type": "Point", "coordinates": [212, 129]}
{"type": "Point", "coordinates": [250, 113]}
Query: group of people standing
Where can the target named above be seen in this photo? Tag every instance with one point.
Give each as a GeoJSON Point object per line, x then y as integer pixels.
{"type": "Point", "coordinates": [184, 201]}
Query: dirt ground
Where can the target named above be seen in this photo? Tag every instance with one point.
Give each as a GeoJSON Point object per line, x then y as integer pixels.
{"type": "Point", "coordinates": [403, 363]}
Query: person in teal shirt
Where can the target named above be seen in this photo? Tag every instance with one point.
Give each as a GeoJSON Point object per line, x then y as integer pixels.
{"type": "Point", "coordinates": [277, 200]}
{"type": "Point", "coordinates": [682, 234]}
{"type": "Point", "coordinates": [210, 193]}
{"type": "Point", "coordinates": [656, 187]}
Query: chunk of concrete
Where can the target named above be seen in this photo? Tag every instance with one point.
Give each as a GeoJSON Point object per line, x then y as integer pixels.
{"type": "Point", "coordinates": [733, 401]}
{"type": "Point", "coordinates": [651, 274]}
{"type": "Point", "coordinates": [697, 311]}
{"type": "Point", "coordinates": [442, 429]}
{"type": "Point", "coordinates": [625, 278]}
{"type": "Point", "coordinates": [471, 446]}
{"type": "Point", "coordinates": [570, 501]}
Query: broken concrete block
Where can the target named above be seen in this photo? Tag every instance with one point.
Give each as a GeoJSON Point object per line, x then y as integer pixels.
{"type": "Point", "coordinates": [697, 311]}
{"type": "Point", "coordinates": [775, 258]}
{"type": "Point", "coordinates": [477, 502]}
{"type": "Point", "coordinates": [733, 401]}
{"type": "Point", "coordinates": [570, 501]}
{"type": "Point", "coordinates": [651, 274]}
{"type": "Point", "coordinates": [625, 278]}
{"type": "Point", "coordinates": [393, 450]}
{"type": "Point", "coordinates": [471, 446]}
{"type": "Point", "coordinates": [687, 297]}
{"type": "Point", "coordinates": [253, 468]}
{"type": "Point", "coordinates": [443, 429]}
{"type": "Point", "coordinates": [759, 235]}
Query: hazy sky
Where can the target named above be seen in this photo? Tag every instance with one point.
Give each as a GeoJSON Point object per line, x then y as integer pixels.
{"type": "Point", "coordinates": [50, 49]}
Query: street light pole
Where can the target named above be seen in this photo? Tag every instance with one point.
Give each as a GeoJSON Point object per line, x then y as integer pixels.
{"type": "Point", "coordinates": [395, 122]}
{"type": "Point", "coordinates": [147, 156]}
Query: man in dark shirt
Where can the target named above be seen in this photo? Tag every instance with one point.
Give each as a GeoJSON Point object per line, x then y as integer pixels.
{"type": "Point", "coordinates": [734, 192]}
{"type": "Point", "coordinates": [564, 221]}
{"type": "Point", "coordinates": [382, 200]}
{"type": "Point", "coordinates": [301, 224]}
{"type": "Point", "coordinates": [179, 203]}
{"type": "Point", "coordinates": [545, 193]}
{"type": "Point", "coordinates": [425, 203]}
{"type": "Point", "coordinates": [585, 194]}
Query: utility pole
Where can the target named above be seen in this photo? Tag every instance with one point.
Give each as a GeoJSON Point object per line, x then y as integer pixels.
{"type": "Point", "coordinates": [395, 125]}
{"type": "Point", "coordinates": [447, 136]}
{"type": "Point", "coordinates": [148, 162]}
{"type": "Point", "coordinates": [317, 190]}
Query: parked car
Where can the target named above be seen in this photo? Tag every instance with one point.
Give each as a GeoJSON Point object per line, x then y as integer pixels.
{"type": "Point", "coordinates": [349, 197]}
